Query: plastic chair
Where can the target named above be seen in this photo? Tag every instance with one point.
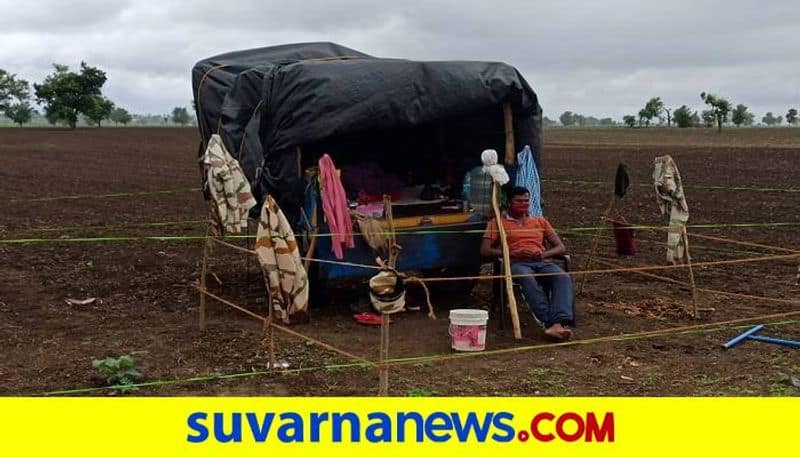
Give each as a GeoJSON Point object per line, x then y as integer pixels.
{"type": "Point", "coordinates": [499, 288]}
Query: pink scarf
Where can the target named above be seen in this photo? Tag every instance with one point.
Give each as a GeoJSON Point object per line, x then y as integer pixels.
{"type": "Point", "coordinates": [334, 205]}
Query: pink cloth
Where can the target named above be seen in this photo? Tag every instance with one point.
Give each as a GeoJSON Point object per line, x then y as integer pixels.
{"type": "Point", "coordinates": [334, 205]}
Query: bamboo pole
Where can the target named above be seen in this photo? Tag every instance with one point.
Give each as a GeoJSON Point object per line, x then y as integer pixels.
{"type": "Point", "coordinates": [685, 235]}
{"type": "Point", "coordinates": [203, 274]}
{"type": "Point", "coordinates": [512, 300]}
{"type": "Point", "coordinates": [595, 243]}
{"type": "Point", "coordinates": [508, 121]}
{"type": "Point", "coordinates": [510, 159]}
{"type": "Point", "coordinates": [383, 357]}
{"type": "Point", "coordinates": [313, 244]}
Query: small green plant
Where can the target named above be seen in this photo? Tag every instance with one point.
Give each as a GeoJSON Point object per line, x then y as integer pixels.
{"type": "Point", "coordinates": [705, 381]}
{"type": "Point", "coordinates": [649, 378]}
{"type": "Point", "coordinates": [118, 372]}
{"type": "Point", "coordinates": [421, 393]}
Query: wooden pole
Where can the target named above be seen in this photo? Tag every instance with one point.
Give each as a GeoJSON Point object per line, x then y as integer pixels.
{"type": "Point", "coordinates": [595, 243]}
{"type": "Point", "coordinates": [508, 120]}
{"type": "Point", "coordinates": [512, 300]}
{"type": "Point", "coordinates": [509, 159]}
{"type": "Point", "coordinates": [685, 235]}
{"type": "Point", "coordinates": [203, 274]}
{"type": "Point", "coordinates": [383, 368]}
{"type": "Point", "coordinates": [383, 378]}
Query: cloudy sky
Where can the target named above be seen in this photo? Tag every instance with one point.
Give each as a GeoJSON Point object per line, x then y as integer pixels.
{"type": "Point", "coordinates": [601, 58]}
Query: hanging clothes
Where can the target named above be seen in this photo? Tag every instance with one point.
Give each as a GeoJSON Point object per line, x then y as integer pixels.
{"type": "Point", "coordinates": [672, 203]}
{"type": "Point", "coordinates": [228, 187]}
{"type": "Point", "coordinates": [280, 261]}
{"type": "Point", "coordinates": [624, 237]}
{"type": "Point", "coordinates": [334, 205]}
{"type": "Point", "coordinates": [528, 177]}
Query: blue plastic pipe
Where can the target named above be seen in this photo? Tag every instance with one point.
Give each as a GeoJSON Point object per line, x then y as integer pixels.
{"type": "Point", "coordinates": [766, 339]}
{"type": "Point", "coordinates": [741, 338]}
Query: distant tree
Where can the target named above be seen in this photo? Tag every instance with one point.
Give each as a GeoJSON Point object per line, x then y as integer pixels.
{"type": "Point", "coordinates": [180, 115]}
{"type": "Point", "coordinates": [770, 119]}
{"type": "Point", "coordinates": [791, 117]}
{"type": "Point", "coordinates": [20, 112]}
{"type": "Point", "coordinates": [642, 117]}
{"type": "Point", "coordinates": [580, 119]}
{"type": "Point", "coordinates": [607, 122]}
{"type": "Point", "coordinates": [629, 120]}
{"type": "Point", "coordinates": [547, 122]}
{"type": "Point", "coordinates": [121, 116]}
{"type": "Point", "coordinates": [669, 118]}
{"type": "Point", "coordinates": [99, 110]}
{"type": "Point", "coordinates": [708, 117]}
{"type": "Point", "coordinates": [719, 106]}
{"type": "Point", "coordinates": [14, 98]}
{"type": "Point", "coordinates": [651, 109]}
{"type": "Point", "coordinates": [12, 88]}
{"type": "Point", "coordinates": [696, 119]}
{"type": "Point", "coordinates": [65, 94]}
{"type": "Point", "coordinates": [740, 116]}
{"type": "Point", "coordinates": [683, 117]}
{"type": "Point", "coordinates": [567, 118]}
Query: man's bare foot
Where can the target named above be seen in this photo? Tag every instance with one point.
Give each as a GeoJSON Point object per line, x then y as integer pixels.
{"type": "Point", "coordinates": [558, 332]}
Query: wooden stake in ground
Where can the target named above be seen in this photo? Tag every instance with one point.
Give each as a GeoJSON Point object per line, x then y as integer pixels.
{"type": "Point", "coordinates": [685, 235]}
{"type": "Point", "coordinates": [595, 243]}
{"type": "Point", "coordinates": [203, 274]}
{"type": "Point", "coordinates": [512, 299]}
{"type": "Point", "coordinates": [509, 159]}
{"type": "Point", "coordinates": [383, 357]}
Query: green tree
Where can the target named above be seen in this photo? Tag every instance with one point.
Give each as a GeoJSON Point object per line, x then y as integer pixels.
{"type": "Point", "coordinates": [629, 120]}
{"type": "Point", "coordinates": [180, 115]}
{"type": "Point", "coordinates": [20, 112]}
{"type": "Point", "coordinates": [607, 122]}
{"type": "Point", "coordinates": [12, 88]}
{"type": "Point", "coordinates": [65, 94]}
{"type": "Point", "coordinates": [791, 116]}
{"type": "Point", "coordinates": [770, 119]}
{"type": "Point", "coordinates": [683, 117]}
{"type": "Point", "coordinates": [567, 118]}
{"type": "Point", "coordinates": [708, 117]}
{"type": "Point", "coordinates": [719, 106]}
{"type": "Point", "coordinates": [99, 110]}
{"type": "Point", "coordinates": [652, 109]}
{"type": "Point", "coordinates": [121, 116]}
{"type": "Point", "coordinates": [741, 116]}
{"type": "Point", "coordinates": [669, 117]}
{"type": "Point", "coordinates": [547, 122]}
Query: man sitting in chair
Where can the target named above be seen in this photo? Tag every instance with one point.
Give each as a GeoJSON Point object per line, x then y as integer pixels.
{"type": "Point", "coordinates": [527, 238]}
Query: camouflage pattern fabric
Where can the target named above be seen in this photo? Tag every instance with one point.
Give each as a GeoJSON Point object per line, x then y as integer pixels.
{"type": "Point", "coordinates": [228, 187]}
{"type": "Point", "coordinates": [671, 202]}
{"type": "Point", "coordinates": [283, 270]}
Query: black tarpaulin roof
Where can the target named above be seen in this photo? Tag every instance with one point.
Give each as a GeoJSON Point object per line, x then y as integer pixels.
{"type": "Point", "coordinates": [266, 102]}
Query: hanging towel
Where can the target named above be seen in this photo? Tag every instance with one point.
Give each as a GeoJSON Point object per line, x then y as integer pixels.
{"type": "Point", "coordinates": [334, 205]}
{"type": "Point", "coordinates": [671, 202]}
{"type": "Point", "coordinates": [528, 177]}
{"type": "Point", "coordinates": [283, 270]}
{"type": "Point", "coordinates": [228, 187]}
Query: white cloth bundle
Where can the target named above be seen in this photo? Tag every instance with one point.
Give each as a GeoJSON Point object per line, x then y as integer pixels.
{"type": "Point", "coordinates": [498, 172]}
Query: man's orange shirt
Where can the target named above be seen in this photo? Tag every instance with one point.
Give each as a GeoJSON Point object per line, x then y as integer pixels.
{"type": "Point", "coordinates": [522, 235]}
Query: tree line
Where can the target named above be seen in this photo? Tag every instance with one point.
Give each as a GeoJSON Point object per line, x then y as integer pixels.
{"type": "Point", "coordinates": [65, 95]}
{"type": "Point", "coordinates": [719, 113]}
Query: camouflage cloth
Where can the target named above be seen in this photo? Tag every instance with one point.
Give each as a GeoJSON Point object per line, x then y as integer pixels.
{"type": "Point", "coordinates": [672, 202]}
{"type": "Point", "coordinates": [283, 270]}
{"type": "Point", "coordinates": [228, 187]}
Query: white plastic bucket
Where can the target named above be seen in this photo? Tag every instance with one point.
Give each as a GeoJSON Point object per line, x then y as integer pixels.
{"type": "Point", "coordinates": [468, 329]}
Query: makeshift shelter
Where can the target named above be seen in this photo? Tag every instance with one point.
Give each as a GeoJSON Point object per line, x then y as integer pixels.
{"type": "Point", "coordinates": [278, 109]}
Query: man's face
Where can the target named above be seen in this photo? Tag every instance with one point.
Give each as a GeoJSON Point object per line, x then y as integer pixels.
{"type": "Point", "coordinates": [524, 199]}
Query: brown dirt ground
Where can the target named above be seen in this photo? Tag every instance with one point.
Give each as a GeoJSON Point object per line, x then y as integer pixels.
{"type": "Point", "coordinates": [147, 305]}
